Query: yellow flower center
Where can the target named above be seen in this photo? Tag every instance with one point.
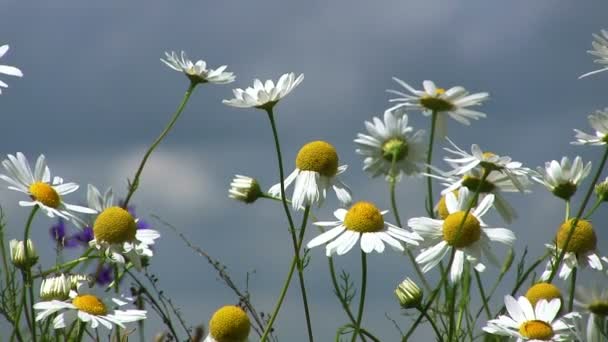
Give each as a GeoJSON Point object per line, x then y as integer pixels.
{"type": "Point", "coordinates": [364, 217]}
{"type": "Point", "coordinates": [394, 148]}
{"type": "Point", "coordinates": [90, 304]}
{"type": "Point", "coordinates": [440, 91]}
{"type": "Point", "coordinates": [459, 237]}
{"type": "Point", "coordinates": [543, 291]}
{"type": "Point", "coordinates": [229, 324]}
{"type": "Point", "coordinates": [599, 308]}
{"type": "Point", "coordinates": [45, 194]}
{"type": "Point", "coordinates": [488, 155]}
{"type": "Point", "coordinates": [583, 238]}
{"type": "Point", "coordinates": [115, 225]}
{"type": "Point", "coordinates": [472, 183]}
{"type": "Point", "coordinates": [318, 156]}
{"type": "Point", "coordinates": [538, 330]}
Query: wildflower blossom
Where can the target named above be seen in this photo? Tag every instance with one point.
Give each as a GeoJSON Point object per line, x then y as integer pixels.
{"type": "Point", "coordinates": [562, 178]}
{"type": "Point", "coordinates": [229, 324]}
{"type": "Point", "coordinates": [264, 95]}
{"type": "Point", "coordinates": [599, 122]}
{"type": "Point", "coordinates": [7, 69]}
{"type": "Point", "coordinates": [197, 72]}
{"type": "Point", "coordinates": [600, 50]}
{"type": "Point", "coordinates": [593, 302]}
{"type": "Point", "coordinates": [543, 290]}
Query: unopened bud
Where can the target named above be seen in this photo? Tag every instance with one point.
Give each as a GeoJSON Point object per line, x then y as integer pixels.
{"type": "Point", "coordinates": [244, 189]}
{"type": "Point", "coordinates": [409, 294]}
{"type": "Point", "coordinates": [18, 254]}
{"type": "Point", "coordinates": [601, 190]}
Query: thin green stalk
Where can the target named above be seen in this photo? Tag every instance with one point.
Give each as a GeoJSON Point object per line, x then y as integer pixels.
{"type": "Point", "coordinates": [277, 307]}
{"type": "Point", "coordinates": [429, 160]}
{"type": "Point", "coordinates": [67, 265]}
{"type": "Point", "coordinates": [135, 183]}
{"type": "Point", "coordinates": [362, 292]}
{"type": "Point", "coordinates": [567, 214]}
{"type": "Point", "coordinates": [81, 328]}
{"type": "Point", "coordinates": [483, 295]}
{"type": "Point", "coordinates": [27, 275]}
{"type": "Point", "coordinates": [433, 324]}
{"type": "Point", "coordinates": [562, 253]}
{"type": "Point", "coordinates": [596, 205]}
{"type": "Point", "coordinates": [294, 238]}
{"type": "Point", "coordinates": [572, 287]}
{"type": "Point", "coordinates": [451, 313]}
{"type": "Point", "coordinates": [392, 185]}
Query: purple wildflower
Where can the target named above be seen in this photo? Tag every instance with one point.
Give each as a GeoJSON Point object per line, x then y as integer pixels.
{"type": "Point", "coordinates": [58, 234]}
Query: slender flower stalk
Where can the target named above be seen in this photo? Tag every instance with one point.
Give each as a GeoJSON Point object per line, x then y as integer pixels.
{"type": "Point", "coordinates": [362, 291]}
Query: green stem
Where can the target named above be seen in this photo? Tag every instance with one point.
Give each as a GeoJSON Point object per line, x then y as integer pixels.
{"type": "Point", "coordinates": [451, 312]}
{"type": "Point", "coordinates": [280, 301]}
{"type": "Point", "coordinates": [483, 295]}
{"type": "Point", "coordinates": [68, 265]}
{"type": "Point", "coordinates": [362, 297]}
{"type": "Point", "coordinates": [135, 183]}
{"type": "Point", "coordinates": [392, 185]}
{"type": "Point", "coordinates": [572, 287]}
{"type": "Point", "coordinates": [81, 328]}
{"type": "Point", "coordinates": [429, 160]}
{"type": "Point", "coordinates": [596, 205]}
{"type": "Point", "coordinates": [567, 214]}
{"type": "Point", "coordinates": [28, 280]}
{"type": "Point", "coordinates": [433, 324]}
{"type": "Point", "coordinates": [294, 238]}
{"type": "Point", "coordinates": [576, 218]}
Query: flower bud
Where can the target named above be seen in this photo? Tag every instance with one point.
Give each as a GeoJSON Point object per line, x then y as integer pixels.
{"type": "Point", "coordinates": [55, 288]}
{"type": "Point", "coordinates": [244, 189]}
{"type": "Point", "coordinates": [601, 190]}
{"type": "Point", "coordinates": [409, 294]}
{"type": "Point", "coordinates": [18, 255]}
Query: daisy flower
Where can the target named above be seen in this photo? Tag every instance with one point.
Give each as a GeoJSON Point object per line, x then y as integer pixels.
{"type": "Point", "coordinates": [468, 236]}
{"type": "Point", "coordinates": [599, 122]}
{"type": "Point", "coordinates": [316, 172]}
{"type": "Point", "coordinates": [7, 69]}
{"type": "Point", "coordinates": [581, 249]}
{"type": "Point", "coordinates": [391, 139]}
{"type": "Point", "coordinates": [562, 178]}
{"type": "Point", "coordinates": [495, 183]}
{"type": "Point", "coordinates": [600, 50]}
{"type": "Point", "coordinates": [244, 189]}
{"type": "Point", "coordinates": [545, 291]}
{"type": "Point", "coordinates": [527, 323]}
{"type": "Point", "coordinates": [197, 72]}
{"type": "Point", "coordinates": [229, 324]}
{"type": "Point", "coordinates": [595, 303]}
{"type": "Point", "coordinates": [87, 308]}
{"type": "Point", "coordinates": [37, 185]}
{"type": "Point", "coordinates": [264, 95]}
{"type": "Point", "coordinates": [453, 102]}
{"type": "Point", "coordinates": [463, 162]}
{"type": "Point", "coordinates": [363, 220]}
{"type": "Point", "coordinates": [115, 230]}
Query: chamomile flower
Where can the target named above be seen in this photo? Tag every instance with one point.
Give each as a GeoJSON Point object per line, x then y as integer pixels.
{"type": "Point", "coordinates": [87, 308]}
{"type": "Point", "coordinates": [391, 139]}
{"type": "Point", "coordinates": [37, 185]}
{"type": "Point", "coordinates": [454, 102]}
{"type": "Point", "coordinates": [594, 302]}
{"type": "Point", "coordinates": [229, 324]}
{"type": "Point", "coordinates": [495, 183]}
{"type": "Point", "coordinates": [545, 291]}
{"type": "Point", "coordinates": [562, 178]}
{"type": "Point", "coordinates": [23, 255]}
{"type": "Point", "coordinates": [244, 189]}
{"type": "Point", "coordinates": [58, 287]}
{"type": "Point", "coordinates": [363, 220]}
{"type": "Point", "coordinates": [528, 323]}
{"type": "Point", "coordinates": [264, 95]}
{"type": "Point", "coordinates": [7, 69]}
{"type": "Point", "coordinates": [197, 72]}
{"type": "Point", "coordinates": [467, 235]}
{"type": "Point", "coordinates": [581, 250]}
{"type": "Point", "coordinates": [599, 122]}
{"type": "Point", "coordinates": [316, 172]}
{"type": "Point", "coordinates": [115, 230]}
{"type": "Point", "coordinates": [464, 162]}
{"type": "Point", "coordinates": [600, 50]}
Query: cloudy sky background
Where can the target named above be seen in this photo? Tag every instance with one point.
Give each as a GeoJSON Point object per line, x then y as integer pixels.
{"type": "Point", "coordinates": [95, 94]}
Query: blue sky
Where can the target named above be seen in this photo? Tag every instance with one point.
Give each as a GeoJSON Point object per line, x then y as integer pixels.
{"type": "Point", "coordinates": [95, 94]}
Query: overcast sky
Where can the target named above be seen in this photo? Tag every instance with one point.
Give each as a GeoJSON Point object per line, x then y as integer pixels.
{"type": "Point", "coordinates": [94, 95]}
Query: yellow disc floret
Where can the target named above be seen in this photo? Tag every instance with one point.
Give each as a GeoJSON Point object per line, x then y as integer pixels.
{"type": "Point", "coordinates": [318, 156]}
{"type": "Point", "coordinates": [364, 217]}
{"type": "Point", "coordinates": [536, 329]}
{"type": "Point", "coordinates": [540, 291]}
{"type": "Point", "coordinates": [90, 304]}
{"type": "Point", "coordinates": [442, 208]}
{"type": "Point", "coordinates": [583, 238]}
{"type": "Point", "coordinates": [115, 225]}
{"type": "Point", "coordinates": [458, 236]}
{"type": "Point", "coordinates": [45, 194]}
{"type": "Point", "coordinates": [229, 324]}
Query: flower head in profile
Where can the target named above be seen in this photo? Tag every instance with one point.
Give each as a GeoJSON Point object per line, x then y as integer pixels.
{"type": "Point", "coordinates": [7, 69]}
{"type": "Point", "coordinates": [244, 189]}
{"type": "Point", "coordinates": [229, 324]}
{"type": "Point", "coordinates": [601, 190]}
{"type": "Point", "coordinates": [600, 50]}
{"type": "Point", "coordinates": [317, 171]}
{"type": "Point", "coordinates": [115, 230]}
{"type": "Point", "coordinates": [37, 185]}
{"type": "Point", "coordinates": [599, 122]}
{"type": "Point", "coordinates": [362, 221]}
{"type": "Point", "coordinates": [454, 102]}
{"type": "Point", "coordinates": [58, 287]}
{"type": "Point", "coordinates": [22, 258]}
{"type": "Point", "coordinates": [532, 323]}
{"type": "Point", "coordinates": [581, 250]}
{"type": "Point", "coordinates": [468, 235]}
{"type": "Point", "coordinates": [593, 303]}
{"type": "Point", "coordinates": [391, 141]}
{"type": "Point", "coordinates": [87, 308]}
{"type": "Point", "coordinates": [264, 95]}
{"type": "Point", "coordinates": [562, 178]}
{"type": "Point", "coordinates": [197, 72]}
{"type": "Point", "coordinates": [409, 294]}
